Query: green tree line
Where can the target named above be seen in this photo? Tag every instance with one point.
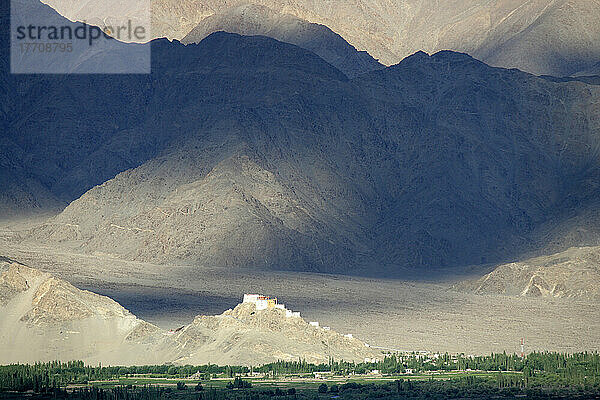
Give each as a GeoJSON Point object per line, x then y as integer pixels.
{"type": "Point", "coordinates": [557, 369]}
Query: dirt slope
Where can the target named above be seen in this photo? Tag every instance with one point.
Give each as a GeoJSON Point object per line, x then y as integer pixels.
{"type": "Point", "coordinates": [44, 318]}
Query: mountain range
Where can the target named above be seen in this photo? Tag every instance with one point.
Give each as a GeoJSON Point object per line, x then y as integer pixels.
{"type": "Point", "coordinates": [247, 152]}
{"type": "Point", "coordinates": [265, 152]}
{"type": "Point", "coordinates": [544, 37]}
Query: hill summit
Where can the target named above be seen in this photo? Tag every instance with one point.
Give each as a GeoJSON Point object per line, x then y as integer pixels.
{"type": "Point", "coordinates": [261, 330]}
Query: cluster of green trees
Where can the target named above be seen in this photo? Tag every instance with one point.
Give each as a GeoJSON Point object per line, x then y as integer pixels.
{"type": "Point", "coordinates": [465, 387]}
{"type": "Point", "coordinates": [117, 393]}
{"type": "Point", "coordinates": [178, 370]}
{"type": "Point", "coordinates": [503, 386]}
{"type": "Point", "coordinates": [446, 362]}
{"type": "Point", "coordinates": [538, 369]}
{"type": "Point", "coordinates": [570, 368]}
{"type": "Point", "coordinates": [239, 383]}
{"type": "Point", "coordinates": [563, 369]}
{"type": "Point", "coordinates": [44, 376]}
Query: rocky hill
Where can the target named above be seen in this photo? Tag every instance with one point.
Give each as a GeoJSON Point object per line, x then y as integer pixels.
{"type": "Point", "coordinates": [252, 19]}
{"type": "Point", "coordinates": [574, 273]}
{"type": "Point", "coordinates": [236, 214]}
{"type": "Point", "coordinates": [247, 336]}
{"type": "Point", "coordinates": [44, 318]}
{"type": "Point", "coordinates": [554, 37]}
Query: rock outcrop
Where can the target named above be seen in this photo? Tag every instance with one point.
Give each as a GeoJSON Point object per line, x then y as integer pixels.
{"type": "Point", "coordinates": [44, 318]}
{"type": "Point", "coordinates": [574, 273]}
{"type": "Point", "coordinates": [249, 336]}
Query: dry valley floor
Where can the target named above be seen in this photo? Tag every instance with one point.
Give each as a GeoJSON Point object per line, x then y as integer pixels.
{"type": "Point", "coordinates": [395, 314]}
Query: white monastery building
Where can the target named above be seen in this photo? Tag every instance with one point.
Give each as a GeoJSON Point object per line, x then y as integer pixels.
{"type": "Point", "coordinates": [265, 302]}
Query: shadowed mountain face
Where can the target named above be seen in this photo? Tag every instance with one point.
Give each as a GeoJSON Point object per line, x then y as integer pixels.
{"type": "Point", "coordinates": [593, 71]}
{"type": "Point", "coordinates": [553, 37]}
{"type": "Point", "coordinates": [259, 20]}
{"type": "Point", "coordinates": [85, 55]}
{"type": "Point", "coordinates": [486, 154]}
{"type": "Point", "coordinates": [438, 161]}
{"type": "Point", "coordinates": [252, 165]}
{"type": "Point", "coordinates": [248, 152]}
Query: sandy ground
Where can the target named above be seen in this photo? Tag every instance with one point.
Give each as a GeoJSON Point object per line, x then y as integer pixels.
{"type": "Point", "coordinates": [390, 313]}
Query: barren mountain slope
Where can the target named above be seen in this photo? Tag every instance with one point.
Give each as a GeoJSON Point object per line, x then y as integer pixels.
{"type": "Point", "coordinates": [593, 71]}
{"type": "Point", "coordinates": [486, 176]}
{"type": "Point", "coordinates": [44, 318]}
{"type": "Point", "coordinates": [259, 20]}
{"type": "Point", "coordinates": [305, 216]}
{"type": "Point", "coordinates": [561, 41]}
{"type": "Point", "coordinates": [237, 214]}
{"type": "Point", "coordinates": [45, 168]}
{"type": "Point", "coordinates": [249, 152]}
{"type": "Point", "coordinates": [572, 273]}
{"type": "Point", "coordinates": [438, 161]}
{"type": "Point", "coordinates": [555, 37]}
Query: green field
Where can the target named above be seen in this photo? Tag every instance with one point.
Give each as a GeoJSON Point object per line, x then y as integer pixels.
{"type": "Point", "coordinates": [298, 381]}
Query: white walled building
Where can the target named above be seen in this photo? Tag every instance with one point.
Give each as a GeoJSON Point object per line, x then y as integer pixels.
{"type": "Point", "coordinates": [262, 302]}
{"type": "Point", "coordinates": [265, 302]}
{"type": "Point", "coordinates": [251, 298]}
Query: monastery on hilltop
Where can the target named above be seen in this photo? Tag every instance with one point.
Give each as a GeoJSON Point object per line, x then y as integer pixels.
{"type": "Point", "coordinates": [265, 302]}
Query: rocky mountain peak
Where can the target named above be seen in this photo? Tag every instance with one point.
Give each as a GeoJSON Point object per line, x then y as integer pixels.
{"type": "Point", "coordinates": [253, 19]}
{"type": "Point", "coordinates": [255, 335]}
